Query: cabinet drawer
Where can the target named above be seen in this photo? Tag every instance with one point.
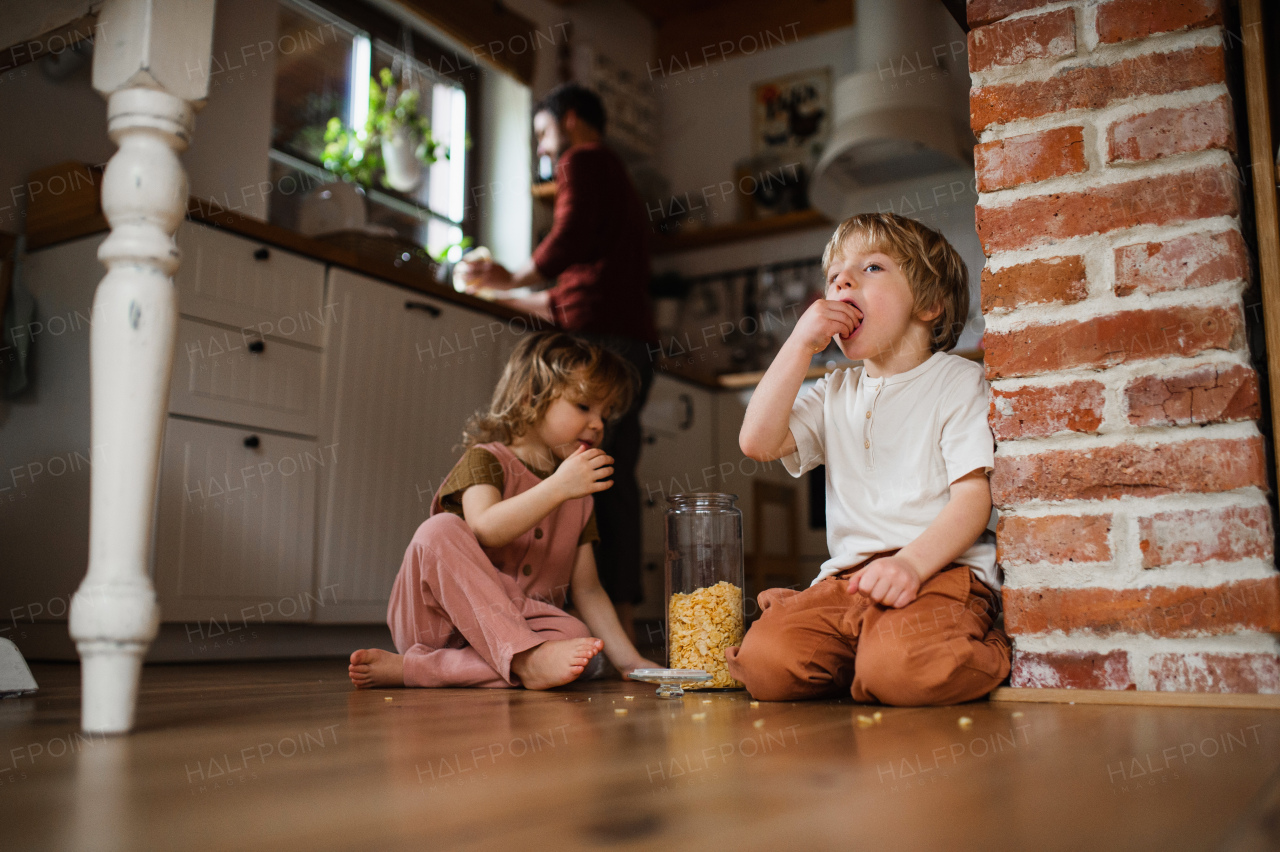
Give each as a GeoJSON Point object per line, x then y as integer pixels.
{"type": "Point", "coordinates": [236, 524]}
{"type": "Point", "coordinates": [248, 285]}
{"type": "Point", "coordinates": [221, 374]}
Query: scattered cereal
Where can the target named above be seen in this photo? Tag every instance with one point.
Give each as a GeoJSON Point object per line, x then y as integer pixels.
{"type": "Point", "coordinates": [621, 711]}
{"type": "Point", "coordinates": [387, 698]}
{"type": "Point", "coordinates": [758, 723]}
{"type": "Point", "coordinates": [865, 721]}
{"type": "Point", "coordinates": [965, 723]}
{"type": "Point", "coordinates": [1018, 714]}
{"type": "Point", "coordinates": [628, 697]}
{"type": "Point", "coordinates": [755, 703]}
{"type": "Point", "coordinates": [703, 624]}
{"type": "Point", "coordinates": [698, 717]}
{"type": "Point", "coordinates": [878, 716]}
{"type": "Point", "coordinates": [706, 701]}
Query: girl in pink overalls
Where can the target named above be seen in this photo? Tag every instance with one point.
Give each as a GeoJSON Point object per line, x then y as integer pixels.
{"type": "Point", "coordinates": [478, 598]}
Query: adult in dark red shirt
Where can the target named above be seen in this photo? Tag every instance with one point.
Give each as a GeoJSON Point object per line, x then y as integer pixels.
{"type": "Point", "coordinates": [597, 255]}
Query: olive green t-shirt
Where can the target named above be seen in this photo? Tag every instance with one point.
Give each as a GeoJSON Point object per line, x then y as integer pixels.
{"type": "Point", "coordinates": [478, 466]}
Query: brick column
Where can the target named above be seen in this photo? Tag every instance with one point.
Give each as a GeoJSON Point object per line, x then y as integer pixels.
{"type": "Point", "coordinates": [1130, 475]}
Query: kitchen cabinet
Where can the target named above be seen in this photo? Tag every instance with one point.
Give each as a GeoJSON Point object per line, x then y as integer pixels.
{"type": "Point", "coordinates": [235, 529]}
{"type": "Point", "coordinates": [235, 524]}
{"type": "Point", "coordinates": [402, 374]}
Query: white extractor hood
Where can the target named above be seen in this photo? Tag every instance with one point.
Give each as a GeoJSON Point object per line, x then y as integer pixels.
{"type": "Point", "coordinates": [905, 114]}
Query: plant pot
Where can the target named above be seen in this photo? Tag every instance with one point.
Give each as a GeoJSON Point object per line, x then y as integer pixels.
{"type": "Point", "coordinates": [399, 156]}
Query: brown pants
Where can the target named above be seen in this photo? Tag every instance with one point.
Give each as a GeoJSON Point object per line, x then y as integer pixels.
{"type": "Point", "coordinates": [939, 649]}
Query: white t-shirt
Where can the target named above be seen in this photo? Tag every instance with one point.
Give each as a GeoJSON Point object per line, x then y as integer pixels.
{"type": "Point", "coordinates": [892, 447]}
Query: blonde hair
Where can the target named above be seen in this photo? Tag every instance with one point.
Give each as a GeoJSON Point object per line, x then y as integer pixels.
{"type": "Point", "coordinates": [543, 368]}
{"type": "Point", "coordinates": [932, 266]}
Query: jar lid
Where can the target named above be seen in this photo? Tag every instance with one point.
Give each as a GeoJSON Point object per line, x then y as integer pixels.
{"type": "Point", "coordinates": [694, 499]}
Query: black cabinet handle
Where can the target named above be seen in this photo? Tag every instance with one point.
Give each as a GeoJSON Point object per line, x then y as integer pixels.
{"type": "Point", "coordinates": [262, 254]}
{"type": "Point", "coordinates": [423, 306]}
{"type": "Point", "coordinates": [688, 411]}
{"type": "Point", "coordinates": [252, 442]}
{"type": "Point", "coordinates": [257, 345]}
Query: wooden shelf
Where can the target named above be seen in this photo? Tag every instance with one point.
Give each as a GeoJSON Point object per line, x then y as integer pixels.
{"type": "Point", "coordinates": [545, 191]}
{"type": "Point", "coordinates": [731, 233]}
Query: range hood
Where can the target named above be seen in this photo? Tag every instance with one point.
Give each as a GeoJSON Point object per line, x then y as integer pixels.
{"type": "Point", "coordinates": [905, 114]}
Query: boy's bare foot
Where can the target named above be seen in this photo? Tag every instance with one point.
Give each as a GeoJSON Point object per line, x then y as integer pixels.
{"type": "Point", "coordinates": [554, 663]}
{"type": "Point", "coordinates": [372, 667]}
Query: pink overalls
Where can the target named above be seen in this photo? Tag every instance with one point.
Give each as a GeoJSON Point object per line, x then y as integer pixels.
{"type": "Point", "coordinates": [459, 612]}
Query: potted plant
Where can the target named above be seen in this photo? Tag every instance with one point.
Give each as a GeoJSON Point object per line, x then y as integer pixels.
{"type": "Point", "coordinates": [394, 144]}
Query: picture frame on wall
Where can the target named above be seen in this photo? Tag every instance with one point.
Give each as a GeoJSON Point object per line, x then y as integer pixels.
{"type": "Point", "coordinates": [790, 123]}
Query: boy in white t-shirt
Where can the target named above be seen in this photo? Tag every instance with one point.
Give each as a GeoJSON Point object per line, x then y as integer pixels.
{"type": "Point", "coordinates": [903, 612]}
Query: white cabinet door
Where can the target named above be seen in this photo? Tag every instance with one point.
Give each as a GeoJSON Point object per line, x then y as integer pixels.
{"type": "Point", "coordinates": [235, 530]}
{"type": "Point", "coordinates": [402, 373]}
{"type": "Point", "coordinates": [219, 374]}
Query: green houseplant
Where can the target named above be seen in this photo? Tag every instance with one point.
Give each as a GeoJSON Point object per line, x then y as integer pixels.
{"type": "Point", "coordinates": [394, 144]}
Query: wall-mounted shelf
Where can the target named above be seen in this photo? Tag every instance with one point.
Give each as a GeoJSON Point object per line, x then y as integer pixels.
{"type": "Point", "coordinates": [721, 234]}
{"type": "Point", "coordinates": [545, 191]}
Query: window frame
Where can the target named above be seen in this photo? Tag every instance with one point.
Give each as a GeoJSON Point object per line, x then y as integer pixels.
{"type": "Point", "coordinates": [355, 16]}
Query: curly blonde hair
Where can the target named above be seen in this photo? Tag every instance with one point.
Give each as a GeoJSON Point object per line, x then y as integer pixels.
{"type": "Point", "coordinates": [932, 266]}
{"type": "Point", "coordinates": [543, 368]}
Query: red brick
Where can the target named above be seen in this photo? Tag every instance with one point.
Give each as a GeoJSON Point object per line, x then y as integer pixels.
{"type": "Point", "coordinates": [1031, 412]}
{"type": "Point", "coordinates": [1196, 260]}
{"type": "Point", "coordinates": [1095, 86]}
{"type": "Point", "coordinates": [1119, 338]}
{"type": "Point", "coordinates": [1157, 200]}
{"type": "Point", "coordinates": [1023, 39]}
{"type": "Point", "coordinates": [1154, 611]}
{"type": "Point", "coordinates": [1246, 673]}
{"type": "Point", "coordinates": [1053, 538]}
{"type": "Point", "coordinates": [1071, 670]}
{"type": "Point", "coordinates": [1056, 279]}
{"type": "Point", "coordinates": [1201, 465]}
{"type": "Point", "coordinates": [1199, 535]}
{"type": "Point", "coordinates": [1029, 158]}
{"type": "Point", "coordinates": [1121, 20]}
{"type": "Point", "coordinates": [1214, 393]}
{"type": "Point", "coordinates": [1166, 132]}
{"type": "Point", "coordinates": [982, 12]}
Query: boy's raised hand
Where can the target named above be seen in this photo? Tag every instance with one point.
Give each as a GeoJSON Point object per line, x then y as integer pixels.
{"type": "Point", "coordinates": [585, 472]}
{"type": "Point", "coordinates": [889, 580]}
{"type": "Point", "coordinates": [825, 319]}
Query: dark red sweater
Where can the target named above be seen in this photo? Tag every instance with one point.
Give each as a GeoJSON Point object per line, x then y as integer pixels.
{"type": "Point", "coordinates": [598, 248]}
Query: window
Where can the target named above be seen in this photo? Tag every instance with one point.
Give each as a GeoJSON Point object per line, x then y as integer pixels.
{"type": "Point", "coordinates": [327, 75]}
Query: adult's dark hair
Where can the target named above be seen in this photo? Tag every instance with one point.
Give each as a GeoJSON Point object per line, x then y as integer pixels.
{"type": "Point", "coordinates": [570, 96]}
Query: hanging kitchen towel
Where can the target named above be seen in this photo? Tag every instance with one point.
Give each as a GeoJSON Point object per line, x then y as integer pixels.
{"type": "Point", "coordinates": [19, 316]}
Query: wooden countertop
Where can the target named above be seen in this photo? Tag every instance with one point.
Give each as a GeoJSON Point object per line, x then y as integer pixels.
{"type": "Point", "coordinates": [55, 217]}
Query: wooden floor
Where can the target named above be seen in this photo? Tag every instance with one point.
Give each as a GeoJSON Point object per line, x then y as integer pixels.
{"type": "Point", "coordinates": [288, 756]}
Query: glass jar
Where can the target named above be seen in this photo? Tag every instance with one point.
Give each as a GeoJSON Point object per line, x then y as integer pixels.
{"type": "Point", "coordinates": [704, 581]}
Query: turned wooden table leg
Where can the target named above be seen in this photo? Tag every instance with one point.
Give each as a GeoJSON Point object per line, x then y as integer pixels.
{"type": "Point", "coordinates": [152, 62]}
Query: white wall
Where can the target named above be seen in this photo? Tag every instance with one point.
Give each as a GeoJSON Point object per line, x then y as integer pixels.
{"type": "Point", "coordinates": [504, 165]}
{"type": "Point", "coordinates": [43, 122]}
{"type": "Point", "coordinates": [706, 128]}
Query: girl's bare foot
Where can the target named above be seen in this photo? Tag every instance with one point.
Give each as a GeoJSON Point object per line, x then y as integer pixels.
{"type": "Point", "coordinates": [554, 663]}
{"type": "Point", "coordinates": [373, 667]}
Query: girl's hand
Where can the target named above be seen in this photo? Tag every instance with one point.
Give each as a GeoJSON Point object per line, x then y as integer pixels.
{"type": "Point", "coordinates": [825, 319]}
{"type": "Point", "coordinates": [890, 581]}
{"type": "Point", "coordinates": [585, 472]}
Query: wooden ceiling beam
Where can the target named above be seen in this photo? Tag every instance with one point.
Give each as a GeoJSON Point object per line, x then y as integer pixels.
{"type": "Point", "coordinates": [693, 34]}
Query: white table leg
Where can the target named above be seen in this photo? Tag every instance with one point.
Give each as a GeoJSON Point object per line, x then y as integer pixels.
{"type": "Point", "coordinates": [144, 62]}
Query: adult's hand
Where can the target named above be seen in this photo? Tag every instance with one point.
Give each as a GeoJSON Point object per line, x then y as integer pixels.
{"type": "Point", "coordinates": [484, 274]}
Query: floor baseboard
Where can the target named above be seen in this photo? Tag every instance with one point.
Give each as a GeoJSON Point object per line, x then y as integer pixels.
{"type": "Point", "coordinates": [1248, 701]}
{"type": "Point", "coordinates": [185, 643]}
